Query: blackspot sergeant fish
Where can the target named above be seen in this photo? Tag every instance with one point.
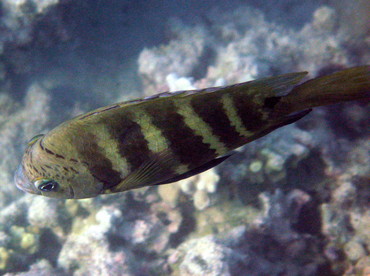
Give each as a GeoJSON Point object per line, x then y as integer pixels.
{"type": "Point", "coordinates": [172, 136]}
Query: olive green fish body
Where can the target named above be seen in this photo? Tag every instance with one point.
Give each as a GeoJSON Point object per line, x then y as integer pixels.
{"type": "Point", "coordinates": [171, 136]}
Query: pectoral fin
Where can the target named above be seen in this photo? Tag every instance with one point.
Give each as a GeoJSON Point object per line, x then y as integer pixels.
{"type": "Point", "coordinates": [157, 168]}
{"type": "Point", "coordinates": [197, 170]}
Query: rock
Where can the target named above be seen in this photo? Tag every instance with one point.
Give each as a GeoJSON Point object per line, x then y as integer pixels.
{"type": "Point", "coordinates": [324, 18]}
{"type": "Point", "coordinates": [177, 84]}
{"type": "Point", "coordinates": [4, 257]}
{"type": "Point", "coordinates": [44, 212]}
{"type": "Point", "coordinates": [269, 246]}
{"type": "Point", "coordinates": [40, 268]}
{"type": "Point", "coordinates": [354, 250]}
{"type": "Point", "coordinates": [88, 251]}
{"type": "Point", "coordinates": [205, 257]}
{"type": "Point", "coordinates": [169, 193]}
{"type": "Point", "coordinates": [201, 199]}
{"type": "Point", "coordinates": [19, 18]}
{"type": "Point", "coordinates": [180, 57]}
{"type": "Point", "coordinates": [17, 127]}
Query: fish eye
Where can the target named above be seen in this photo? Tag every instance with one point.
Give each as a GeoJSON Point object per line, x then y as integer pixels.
{"type": "Point", "coordinates": [34, 139]}
{"type": "Point", "coordinates": [46, 185]}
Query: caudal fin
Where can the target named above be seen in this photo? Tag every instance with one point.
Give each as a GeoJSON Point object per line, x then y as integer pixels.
{"type": "Point", "coordinates": [346, 85]}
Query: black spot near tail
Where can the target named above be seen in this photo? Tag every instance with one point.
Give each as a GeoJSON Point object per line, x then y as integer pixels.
{"type": "Point", "coordinates": [271, 102]}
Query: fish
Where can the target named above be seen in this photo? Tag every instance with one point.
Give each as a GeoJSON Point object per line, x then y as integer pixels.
{"type": "Point", "coordinates": [171, 136]}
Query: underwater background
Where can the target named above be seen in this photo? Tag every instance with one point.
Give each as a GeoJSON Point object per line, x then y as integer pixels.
{"type": "Point", "coordinates": [295, 202]}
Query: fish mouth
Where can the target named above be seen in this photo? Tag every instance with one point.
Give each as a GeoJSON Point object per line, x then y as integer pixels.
{"type": "Point", "coordinates": [22, 182]}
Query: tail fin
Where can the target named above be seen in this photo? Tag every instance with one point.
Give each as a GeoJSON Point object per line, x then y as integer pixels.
{"type": "Point", "coordinates": [346, 85]}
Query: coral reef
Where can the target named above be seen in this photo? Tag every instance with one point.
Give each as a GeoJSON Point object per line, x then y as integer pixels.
{"type": "Point", "coordinates": [19, 18]}
{"type": "Point", "coordinates": [181, 57]}
{"type": "Point", "coordinates": [270, 245]}
{"type": "Point", "coordinates": [19, 122]}
{"type": "Point", "coordinates": [295, 202]}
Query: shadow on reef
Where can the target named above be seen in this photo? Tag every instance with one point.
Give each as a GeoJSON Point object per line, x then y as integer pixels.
{"type": "Point", "coordinates": [208, 57]}
{"type": "Point", "coordinates": [309, 219]}
{"type": "Point", "coordinates": [49, 247]}
{"type": "Point", "coordinates": [187, 226]}
{"type": "Point", "coordinates": [307, 174]}
{"type": "Point", "coordinates": [362, 199]}
{"type": "Point", "coordinates": [349, 121]}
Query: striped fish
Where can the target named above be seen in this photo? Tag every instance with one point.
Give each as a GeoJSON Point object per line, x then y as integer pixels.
{"type": "Point", "coordinates": [172, 136]}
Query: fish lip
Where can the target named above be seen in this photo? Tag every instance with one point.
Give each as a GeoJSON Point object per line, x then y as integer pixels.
{"type": "Point", "coordinates": [23, 183]}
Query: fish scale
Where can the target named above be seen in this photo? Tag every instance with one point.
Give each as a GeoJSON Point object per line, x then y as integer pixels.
{"type": "Point", "coordinates": [172, 136]}
{"type": "Point", "coordinates": [233, 116]}
{"type": "Point", "coordinates": [186, 147]}
{"type": "Point", "coordinates": [214, 115]}
{"type": "Point", "coordinates": [200, 127]}
{"type": "Point", "coordinates": [109, 148]}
